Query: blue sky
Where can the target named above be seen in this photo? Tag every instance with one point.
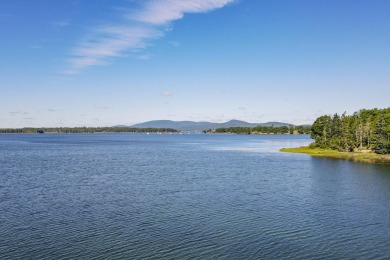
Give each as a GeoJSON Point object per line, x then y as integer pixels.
{"type": "Point", "coordinates": [109, 62]}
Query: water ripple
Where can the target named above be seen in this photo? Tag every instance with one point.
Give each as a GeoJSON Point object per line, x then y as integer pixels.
{"type": "Point", "coordinates": [186, 197]}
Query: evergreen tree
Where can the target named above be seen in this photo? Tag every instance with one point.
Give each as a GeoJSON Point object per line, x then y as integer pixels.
{"type": "Point", "coordinates": [383, 135]}
{"type": "Point", "coordinates": [320, 131]}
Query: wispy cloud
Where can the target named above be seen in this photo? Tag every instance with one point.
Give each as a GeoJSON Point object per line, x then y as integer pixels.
{"type": "Point", "coordinates": [15, 113]}
{"type": "Point", "coordinates": [61, 24]}
{"type": "Point", "coordinates": [134, 32]}
{"type": "Point", "coordinates": [160, 12]}
{"type": "Point", "coordinates": [109, 42]}
{"type": "Point", "coordinates": [144, 57]}
{"type": "Point", "coordinates": [166, 94]}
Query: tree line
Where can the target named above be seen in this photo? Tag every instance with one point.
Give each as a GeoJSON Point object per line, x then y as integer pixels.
{"type": "Point", "coordinates": [366, 129]}
{"type": "Point", "coordinates": [84, 130]}
{"type": "Point", "coordinates": [262, 130]}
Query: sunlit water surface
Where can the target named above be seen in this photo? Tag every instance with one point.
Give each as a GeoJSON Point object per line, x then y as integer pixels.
{"type": "Point", "coordinates": [138, 196]}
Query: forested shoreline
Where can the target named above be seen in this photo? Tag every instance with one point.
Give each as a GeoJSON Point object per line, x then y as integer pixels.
{"type": "Point", "coordinates": [84, 130]}
{"type": "Point", "coordinates": [366, 129]}
{"type": "Point", "coordinates": [262, 130]}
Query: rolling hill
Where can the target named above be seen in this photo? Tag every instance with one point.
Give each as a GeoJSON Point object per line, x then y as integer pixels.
{"type": "Point", "coordinates": [200, 126]}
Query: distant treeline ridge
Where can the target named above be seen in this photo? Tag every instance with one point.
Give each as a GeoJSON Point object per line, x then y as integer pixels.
{"type": "Point", "coordinates": [262, 130]}
{"type": "Point", "coordinates": [84, 130]}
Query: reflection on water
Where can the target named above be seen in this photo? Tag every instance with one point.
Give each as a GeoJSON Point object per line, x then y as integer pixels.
{"type": "Point", "coordinates": [186, 196]}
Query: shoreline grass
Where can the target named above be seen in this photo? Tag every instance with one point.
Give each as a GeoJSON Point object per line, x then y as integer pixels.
{"type": "Point", "coordinates": [350, 156]}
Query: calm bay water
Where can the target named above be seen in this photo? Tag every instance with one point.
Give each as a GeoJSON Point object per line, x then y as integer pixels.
{"type": "Point", "coordinates": [137, 196]}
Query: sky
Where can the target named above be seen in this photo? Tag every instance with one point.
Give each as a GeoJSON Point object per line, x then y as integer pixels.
{"type": "Point", "coordinates": [121, 62]}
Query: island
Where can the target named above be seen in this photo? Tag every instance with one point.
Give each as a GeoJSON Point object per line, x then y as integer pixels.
{"type": "Point", "coordinates": [291, 129]}
{"type": "Point", "coordinates": [363, 136]}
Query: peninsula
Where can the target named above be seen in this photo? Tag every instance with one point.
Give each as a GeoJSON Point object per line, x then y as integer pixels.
{"type": "Point", "coordinates": [363, 136]}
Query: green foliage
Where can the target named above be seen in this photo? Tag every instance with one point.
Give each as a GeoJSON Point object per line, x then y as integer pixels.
{"type": "Point", "coordinates": [382, 134]}
{"type": "Point", "coordinates": [367, 129]}
{"type": "Point", "coordinates": [320, 131]}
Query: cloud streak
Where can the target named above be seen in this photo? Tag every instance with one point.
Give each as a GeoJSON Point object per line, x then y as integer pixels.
{"type": "Point", "coordinates": [159, 12]}
{"type": "Point", "coordinates": [166, 94]}
{"type": "Point", "coordinates": [134, 32]}
{"type": "Point", "coordinates": [15, 113]}
{"type": "Point", "coordinates": [61, 24]}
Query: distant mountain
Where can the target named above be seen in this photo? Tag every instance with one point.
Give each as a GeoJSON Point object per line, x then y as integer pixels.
{"type": "Point", "coordinates": [200, 126]}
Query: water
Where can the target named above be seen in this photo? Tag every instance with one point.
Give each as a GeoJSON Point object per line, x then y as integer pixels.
{"type": "Point", "coordinates": [136, 196]}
